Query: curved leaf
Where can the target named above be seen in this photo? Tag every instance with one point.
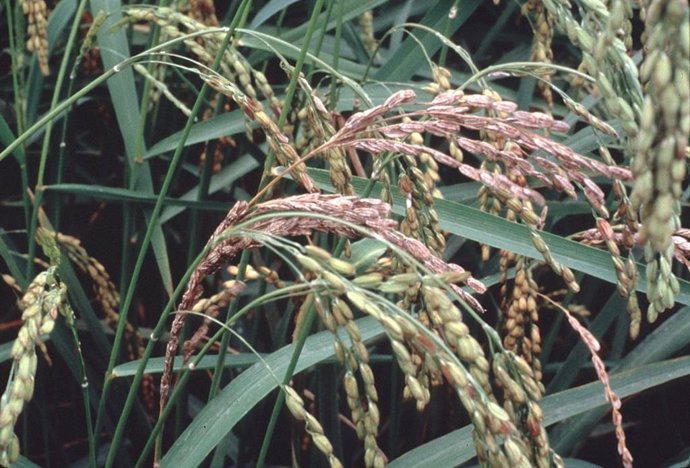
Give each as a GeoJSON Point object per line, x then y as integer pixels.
{"type": "Point", "coordinates": [273, 7]}
{"type": "Point", "coordinates": [457, 447]}
{"type": "Point", "coordinates": [114, 49]}
{"type": "Point", "coordinates": [229, 123]}
{"type": "Point", "coordinates": [222, 413]}
{"type": "Point", "coordinates": [123, 195]}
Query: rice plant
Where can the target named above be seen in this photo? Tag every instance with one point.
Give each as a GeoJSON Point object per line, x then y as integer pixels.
{"type": "Point", "coordinates": [346, 233]}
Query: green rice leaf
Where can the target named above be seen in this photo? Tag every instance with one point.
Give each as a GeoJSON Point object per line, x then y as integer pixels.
{"type": "Point", "coordinates": [222, 413]}
{"type": "Point", "coordinates": [457, 447]}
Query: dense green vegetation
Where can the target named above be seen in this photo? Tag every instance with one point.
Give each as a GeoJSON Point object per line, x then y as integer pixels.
{"type": "Point", "coordinates": [344, 233]}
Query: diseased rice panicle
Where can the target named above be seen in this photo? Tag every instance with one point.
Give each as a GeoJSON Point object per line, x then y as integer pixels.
{"type": "Point", "coordinates": [317, 127]}
{"type": "Point", "coordinates": [210, 307]}
{"type": "Point", "coordinates": [367, 213]}
{"type": "Point", "coordinates": [277, 141]}
{"type": "Point", "coordinates": [87, 51]}
{"type": "Point", "coordinates": [561, 270]}
{"type": "Point", "coordinates": [593, 346]}
{"type": "Point", "coordinates": [626, 272]}
{"type": "Point", "coordinates": [421, 353]}
{"type": "Point", "coordinates": [402, 108]}
{"type": "Point", "coordinates": [203, 11]}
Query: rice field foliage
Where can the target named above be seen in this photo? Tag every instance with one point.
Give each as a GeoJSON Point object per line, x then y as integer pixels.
{"type": "Point", "coordinates": [345, 233]}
